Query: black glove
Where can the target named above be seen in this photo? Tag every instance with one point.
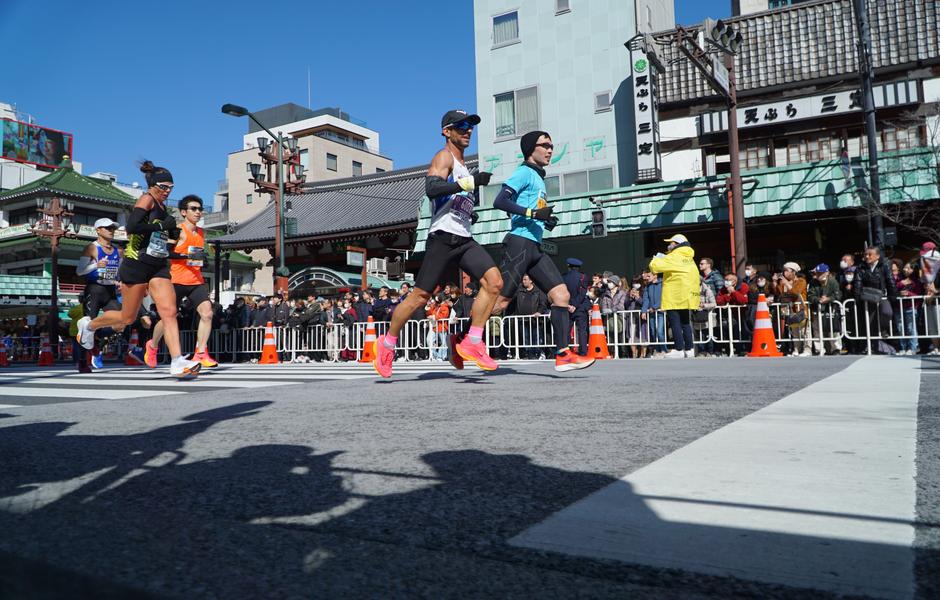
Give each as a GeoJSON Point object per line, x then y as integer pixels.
{"type": "Point", "coordinates": [542, 214]}
{"type": "Point", "coordinates": [481, 178]}
{"type": "Point", "coordinates": [551, 223]}
{"type": "Point", "coordinates": [168, 224]}
{"type": "Point", "coordinates": [474, 217]}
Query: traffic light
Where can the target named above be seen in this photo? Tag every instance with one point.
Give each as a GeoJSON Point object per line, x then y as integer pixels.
{"type": "Point", "coordinates": [598, 223]}
{"type": "Point", "coordinates": [723, 35]}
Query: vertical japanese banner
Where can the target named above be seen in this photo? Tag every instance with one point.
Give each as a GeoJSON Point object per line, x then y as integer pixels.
{"type": "Point", "coordinates": [645, 111]}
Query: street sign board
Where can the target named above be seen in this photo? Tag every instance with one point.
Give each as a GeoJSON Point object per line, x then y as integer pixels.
{"type": "Point", "coordinates": [720, 72]}
{"type": "Point", "coordinates": [549, 248]}
{"type": "Point", "coordinates": [645, 73]}
{"type": "Point", "coordinates": [354, 259]}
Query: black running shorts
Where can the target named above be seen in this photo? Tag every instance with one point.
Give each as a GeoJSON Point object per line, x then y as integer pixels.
{"type": "Point", "coordinates": [197, 294]}
{"type": "Point", "coordinates": [98, 298]}
{"type": "Point", "coordinates": [522, 255]}
{"type": "Point", "coordinates": [133, 271]}
{"type": "Point", "coordinates": [445, 251]}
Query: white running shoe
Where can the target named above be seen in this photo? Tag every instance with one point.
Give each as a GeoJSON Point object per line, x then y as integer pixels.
{"type": "Point", "coordinates": [674, 354]}
{"type": "Point", "coordinates": [690, 353]}
{"type": "Point", "coordinates": [85, 337]}
{"type": "Point", "coordinates": [183, 368]}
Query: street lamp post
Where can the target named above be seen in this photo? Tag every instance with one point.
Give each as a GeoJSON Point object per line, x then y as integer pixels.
{"type": "Point", "coordinates": [54, 221]}
{"type": "Point", "coordinates": [264, 184]}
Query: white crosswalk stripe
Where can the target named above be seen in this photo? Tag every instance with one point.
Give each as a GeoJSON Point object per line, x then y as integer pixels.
{"type": "Point", "coordinates": [120, 382]}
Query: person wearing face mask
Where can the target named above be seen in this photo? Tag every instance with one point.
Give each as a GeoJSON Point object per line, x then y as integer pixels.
{"type": "Point", "coordinates": [750, 274]}
{"type": "Point", "coordinates": [653, 316]}
{"type": "Point", "coordinates": [847, 289]}
{"type": "Point", "coordinates": [636, 327]}
{"type": "Point", "coordinates": [732, 295]}
{"type": "Point", "coordinates": [876, 294]}
{"type": "Point", "coordinates": [702, 318]}
{"type": "Point", "coordinates": [905, 320]}
{"type": "Point", "coordinates": [822, 294]}
{"type": "Point", "coordinates": [791, 293]}
{"type": "Point", "coordinates": [617, 300]}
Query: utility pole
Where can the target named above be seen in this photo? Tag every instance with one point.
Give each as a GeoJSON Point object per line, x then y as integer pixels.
{"type": "Point", "coordinates": [736, 214]}
{"type": "Point", "coordinates": [866, 75]}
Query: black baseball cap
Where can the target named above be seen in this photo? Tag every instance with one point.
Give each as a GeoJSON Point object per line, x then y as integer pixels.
{"type": "Point", "coordinates": [452, 117]}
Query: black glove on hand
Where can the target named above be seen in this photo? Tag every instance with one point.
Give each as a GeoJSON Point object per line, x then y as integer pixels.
{"type": "Point", "coordinates": [481, 178]}
{"type": "Point", "coordinates": [542, 214]}
{"type": "Point", "coordinates": [168, 224]}
{"type": "Point", "coordinates": [551, 223]}
{"type": "Point", "coordinates": [474, 218]}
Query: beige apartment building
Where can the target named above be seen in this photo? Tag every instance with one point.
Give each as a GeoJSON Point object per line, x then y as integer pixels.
{"type": "Point", "coordinates": [332, 145]}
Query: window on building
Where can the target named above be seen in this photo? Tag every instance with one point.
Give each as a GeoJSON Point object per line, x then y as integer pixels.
{"type": "Point", "coordinates": [601, 179]}
{"type": "Point", "coordinates": [753, 155]}
{"type": "Point", "coordinates": [602, 101]}
{"type": "Point", "coordinates": [517, 112]}
{"type": "Point", "coordinates": [553, 186]}
{"type": "Point", "coordinates": [330, 162]}
{"type": "Point", "coordinates": [562, 6]}
{"type": "Point", "coordinates": [505, 29]}
{"type": "Point", "coordinates": [305, 159]}
{"type": "Point", "coordinates": [379, 170]}
{"type": "Point", "coordinates": [248, 199]}
{"type": "Point", "coordinates": [576, 183]}
{"type": "Point", "coordinates": [357, 169]}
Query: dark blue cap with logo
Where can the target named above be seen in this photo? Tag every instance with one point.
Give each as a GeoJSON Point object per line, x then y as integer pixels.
{"type": "Point", "coordinates": [574, 262]}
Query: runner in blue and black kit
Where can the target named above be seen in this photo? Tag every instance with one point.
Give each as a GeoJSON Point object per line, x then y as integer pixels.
{"type": "Point", "coordinates": [524, 198]}
{"type": "Point", "coordinates": [98, 266]}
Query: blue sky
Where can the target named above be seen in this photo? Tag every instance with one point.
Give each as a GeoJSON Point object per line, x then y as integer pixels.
{"type": "Point", "coordinates": [146, 80]}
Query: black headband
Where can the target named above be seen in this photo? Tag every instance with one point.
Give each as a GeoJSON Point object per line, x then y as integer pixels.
{"type": "Point", "coordinates": [160, 176]}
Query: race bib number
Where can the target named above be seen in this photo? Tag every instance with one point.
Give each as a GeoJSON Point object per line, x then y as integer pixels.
{"type": "Point", "coordinates": [462, 206]}
{"type": "Point", "coordinates": [107, 275]}
{"type": "Point", "coordinates": [157, 247]}
{"type": "Point", "coordinates": [192, 262]}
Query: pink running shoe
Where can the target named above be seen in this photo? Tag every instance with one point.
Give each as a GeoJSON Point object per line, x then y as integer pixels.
{"type": "Point", "coordinates": [477, 353]}
{"type": "Point", "coordinates": [384, 357]}
{"type": "Point", "coordinates": [150, 355]}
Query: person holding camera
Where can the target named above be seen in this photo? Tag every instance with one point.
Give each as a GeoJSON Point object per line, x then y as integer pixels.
{"type": "Point", "coordinates": [790, 291]}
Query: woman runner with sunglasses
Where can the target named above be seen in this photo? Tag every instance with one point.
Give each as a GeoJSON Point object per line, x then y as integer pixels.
{"type": "Point", "coordinates": [145, 265]}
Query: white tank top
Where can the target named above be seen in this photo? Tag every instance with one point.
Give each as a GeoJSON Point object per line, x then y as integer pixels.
{"type": "Point", "coordinates": [453, 213]}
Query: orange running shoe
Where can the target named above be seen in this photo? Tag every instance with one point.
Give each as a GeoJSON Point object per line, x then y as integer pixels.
{"type": "Point", "coordinates": [570, 361]}
{"type": "Point", "coordinates": [477, 353]}
{"type": "Point", "coordinates": [150, 355]}
{"type": "Point", "coordinates": [205, 360]}
{"type": "Point", "coordinates": [384, 357]}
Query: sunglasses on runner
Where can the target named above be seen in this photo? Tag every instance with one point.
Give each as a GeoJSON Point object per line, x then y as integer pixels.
{"type": "Point", "coordinates": [463, 126]}
{"type": "Point", "coordinates": [194, 209]}
{"type": "Point", "coordinates": [166, 187]}
{"type": "Point", "coordinates": [546, 145]}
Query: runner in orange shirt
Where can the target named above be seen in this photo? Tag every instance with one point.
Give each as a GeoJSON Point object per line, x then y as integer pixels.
{"type": "Point", "coordinates": [186, 260]}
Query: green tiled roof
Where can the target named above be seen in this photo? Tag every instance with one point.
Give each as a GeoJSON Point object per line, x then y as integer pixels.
{"type": "Point", "coordinates": [907, 175]}
{"type": "Point", "coordinates": [66, 183]}
{"type": "Point", "coordinates": [24, 285]}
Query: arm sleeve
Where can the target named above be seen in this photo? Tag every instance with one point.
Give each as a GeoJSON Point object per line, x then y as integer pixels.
{"type": "Point", "coordinates": [505, 201]}
{"type": "Point", "coordinates": [86, 265]}
{"type": "Point", "coordinates": [435, 187]}
{"type": "Point", "coordinates": [136, 223]}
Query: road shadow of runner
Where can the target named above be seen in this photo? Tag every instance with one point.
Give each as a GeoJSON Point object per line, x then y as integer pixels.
{"type": "Point", "coordinates": [54, 457]}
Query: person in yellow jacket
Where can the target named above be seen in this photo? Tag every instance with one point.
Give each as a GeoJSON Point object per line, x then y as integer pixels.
{"type": "Point", "coordinates": [680, 291]}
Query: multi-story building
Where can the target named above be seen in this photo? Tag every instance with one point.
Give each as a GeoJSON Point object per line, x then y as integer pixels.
{"type": "Point", "coordinates": [797, 82]}
{"type": "Point", "coordinates": [332, 145]}
{"type": "Point", "coordinates": [746, 7]}
{"type": "Point", "coordinates": [560, 67]}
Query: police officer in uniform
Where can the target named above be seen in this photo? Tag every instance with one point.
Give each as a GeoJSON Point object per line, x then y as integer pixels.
{"type": "Point", "coordinates": [580, 305]}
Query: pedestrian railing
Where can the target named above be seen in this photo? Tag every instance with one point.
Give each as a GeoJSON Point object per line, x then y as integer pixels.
{"type": "Point", "coordinates": [886, 326]}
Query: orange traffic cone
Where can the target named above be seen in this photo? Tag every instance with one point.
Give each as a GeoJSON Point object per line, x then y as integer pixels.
{"type": "Point", "coordinates": [3, 355]}
{"type": "Point", "coordinates": [269, 350]}
{"type": "Point", "coordinates": [368, 348]}
{"type": "Point", "coordinates": [764, 342]}
{"type": "Point", "coordinates": [45, 354]}
{"type": "Point", "coordinates": [130, 359]}
{"type": "Point", "coordinates": [597, 341]}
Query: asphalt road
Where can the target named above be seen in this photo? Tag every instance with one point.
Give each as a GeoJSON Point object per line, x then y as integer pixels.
{"type": "Point", "coordinates": [359, 487]}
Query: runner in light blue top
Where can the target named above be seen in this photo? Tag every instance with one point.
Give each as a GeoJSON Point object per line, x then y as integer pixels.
{"type": "Point", "coordinates": [529, 188]}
